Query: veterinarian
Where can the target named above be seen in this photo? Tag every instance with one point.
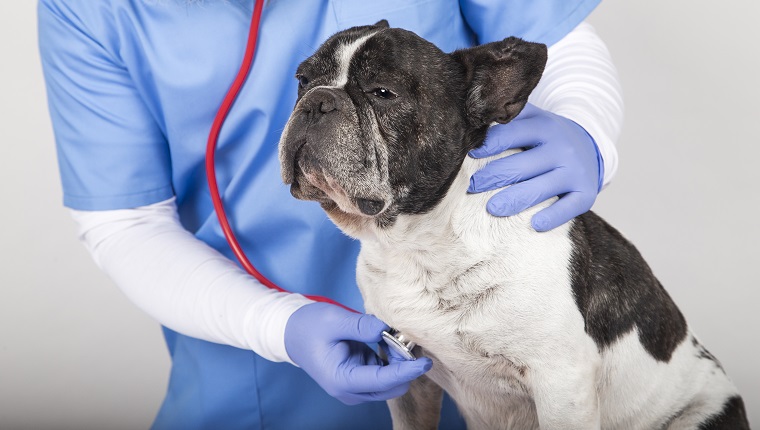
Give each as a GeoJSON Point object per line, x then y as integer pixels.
{"type": "Point", "coordinates": [133, 87]}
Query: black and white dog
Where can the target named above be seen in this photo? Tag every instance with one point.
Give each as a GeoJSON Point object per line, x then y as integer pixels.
{"type": "Point", "coordinates": [567, 329]}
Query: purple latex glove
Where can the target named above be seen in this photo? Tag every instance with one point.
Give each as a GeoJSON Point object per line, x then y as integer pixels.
{"type": "Point", "coordinates": [329, 343]}
{"type": "Point", "coordinates": [560, 159]}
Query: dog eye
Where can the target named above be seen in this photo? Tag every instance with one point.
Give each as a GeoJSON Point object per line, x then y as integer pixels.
{"type": "Point", "coordinates": [383, 93]}
{"type": "Point", "coordinates": [303, 81]}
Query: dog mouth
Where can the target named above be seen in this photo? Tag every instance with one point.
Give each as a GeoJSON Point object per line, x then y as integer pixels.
{"type": "Point", "coordinates": [311, 181]}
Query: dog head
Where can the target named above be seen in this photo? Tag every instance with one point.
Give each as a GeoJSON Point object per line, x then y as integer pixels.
{"type": "Point", "coordinates": [384, 119]}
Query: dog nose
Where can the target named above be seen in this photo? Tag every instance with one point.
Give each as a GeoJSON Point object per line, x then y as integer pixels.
{"type": "Point", "coordinates": [319, 102]}
{"type": "Point", "coordinates": [370, 207]}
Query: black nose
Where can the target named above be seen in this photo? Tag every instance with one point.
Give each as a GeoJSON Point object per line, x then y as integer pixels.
{"type": "Point", "coordinates": [319, 102]}
{"type": "Point", "coordinates": [370, 207]}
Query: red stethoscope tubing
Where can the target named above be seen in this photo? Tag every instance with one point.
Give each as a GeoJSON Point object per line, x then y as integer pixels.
{"type": "Point", "coordinates": [213, 138]}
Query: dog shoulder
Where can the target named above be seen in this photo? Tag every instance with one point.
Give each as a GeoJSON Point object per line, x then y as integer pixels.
{"type": "Point", "coordinates": [616, 290]}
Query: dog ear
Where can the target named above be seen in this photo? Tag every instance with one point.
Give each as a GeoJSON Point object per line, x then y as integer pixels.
{"type": "Point", "coordinates": [499, 78]}
{"type": "Point", "coordinates": [382, 23]}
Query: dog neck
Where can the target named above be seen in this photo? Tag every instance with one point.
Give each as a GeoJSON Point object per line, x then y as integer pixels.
{"type": "Point", "coordinates": [457, 229]}
{"type": "Point", "coordinates": [458, 216]}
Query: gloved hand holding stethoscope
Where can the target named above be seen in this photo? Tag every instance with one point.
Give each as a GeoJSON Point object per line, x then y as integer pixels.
{"type": "Point", "coordinates": [330, 344]}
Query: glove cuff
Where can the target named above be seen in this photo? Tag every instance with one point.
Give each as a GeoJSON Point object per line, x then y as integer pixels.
{"type": "Point", "coordinates": [265, 324]}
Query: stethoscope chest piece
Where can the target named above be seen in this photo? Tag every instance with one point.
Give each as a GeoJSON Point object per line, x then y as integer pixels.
{"type": "Point", "coordinates": [398, 343]}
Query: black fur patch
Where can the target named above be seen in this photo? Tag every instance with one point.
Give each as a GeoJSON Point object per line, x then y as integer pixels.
{"type": "Point", "coordinates": [616, 290]}
{"type": "Point", "coordinates": [732, 417]}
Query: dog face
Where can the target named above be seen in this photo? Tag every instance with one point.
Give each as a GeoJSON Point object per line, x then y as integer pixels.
{"type": "Point", "coordinates": [384, 119]}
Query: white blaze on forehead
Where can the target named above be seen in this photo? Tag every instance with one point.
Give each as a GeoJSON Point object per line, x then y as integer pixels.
{"type": "Point", "coordinates": [344, 54]}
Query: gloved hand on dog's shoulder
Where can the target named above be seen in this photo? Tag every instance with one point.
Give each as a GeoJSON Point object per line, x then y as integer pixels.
{"type": "Point", "coordinates": [329, 343]}
{"type": "Point", "coordinates": [560, 159]}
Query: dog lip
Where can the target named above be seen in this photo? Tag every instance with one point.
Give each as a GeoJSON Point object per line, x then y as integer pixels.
{"type": "Point", "coordinates": [309, 182]}
{"type": "Point", "coordinates": [294, 165]}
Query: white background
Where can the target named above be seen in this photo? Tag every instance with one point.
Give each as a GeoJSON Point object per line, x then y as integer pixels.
{"type": "Point", "coordinates": [74, 353]}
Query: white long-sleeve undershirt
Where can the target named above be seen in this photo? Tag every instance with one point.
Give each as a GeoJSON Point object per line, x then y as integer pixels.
{"type": "Point", "coordinates": [580, 82]}
{"type": "Point", "coordinates": [191, 288]}
{"type": "Point", "coordinates": [183, 283]}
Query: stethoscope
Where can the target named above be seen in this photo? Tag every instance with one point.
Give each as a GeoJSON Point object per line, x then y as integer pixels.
{"type": "Point", "coordinates": [395, 340]}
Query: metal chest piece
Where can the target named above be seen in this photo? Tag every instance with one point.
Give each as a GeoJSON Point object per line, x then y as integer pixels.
{"type": "Point", "coordinates": [398, 343]}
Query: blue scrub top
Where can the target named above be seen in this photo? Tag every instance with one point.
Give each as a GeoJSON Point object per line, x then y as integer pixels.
{"type": "Point", "coordinates": [133, 86]}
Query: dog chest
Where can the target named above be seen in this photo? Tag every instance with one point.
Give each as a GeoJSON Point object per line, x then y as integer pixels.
{"type": "Point", "coordinates": [496, 304]}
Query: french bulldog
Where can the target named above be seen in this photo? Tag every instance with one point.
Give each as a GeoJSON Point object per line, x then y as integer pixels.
{"type": "Point", "coordinates": [566, 329]}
